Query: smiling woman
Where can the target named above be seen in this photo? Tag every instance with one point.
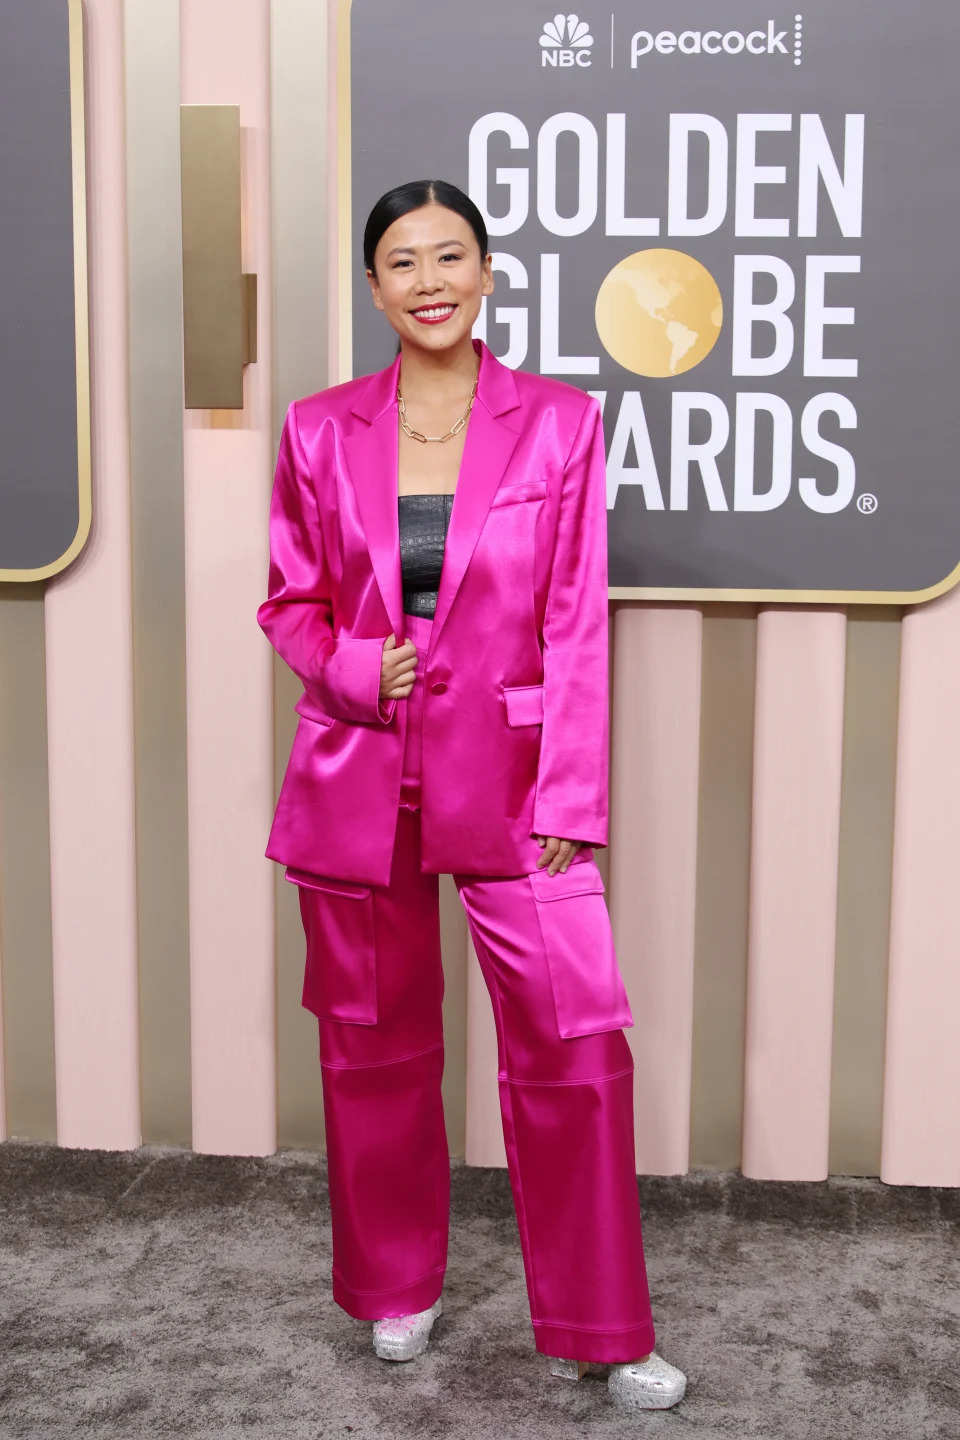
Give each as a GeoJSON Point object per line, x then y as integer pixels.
{"type": "Point", "coordinates": [462, 506]}
{"type": "Point", "coordinates": [425, 252]}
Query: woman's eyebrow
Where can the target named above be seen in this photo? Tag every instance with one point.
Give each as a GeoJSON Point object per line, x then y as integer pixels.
{"type": "Point", "coordinates": [409, 250]}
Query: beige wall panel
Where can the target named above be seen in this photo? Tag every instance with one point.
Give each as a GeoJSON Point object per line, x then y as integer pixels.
{"type": "Point", "coordinates": [454, 942]}
{"type": "Point", "coordinates": [301, 283]}
{"type": "Point", "coordinates": [484, 1127]}
{"type": "Point", "coordinates": [152, 46]}
{"type": "Point", "coordinates": [299, 1096]}
{"type": "Point", "coordinates": [863, 900]}
{"type": "Point", "coordinates": [26, 947]}
{"type": "Point", "coordinates": [723, 884]}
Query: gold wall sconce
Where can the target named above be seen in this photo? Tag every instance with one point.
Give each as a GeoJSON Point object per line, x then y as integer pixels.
{"type": "Point", "coordinates": [219, 301]}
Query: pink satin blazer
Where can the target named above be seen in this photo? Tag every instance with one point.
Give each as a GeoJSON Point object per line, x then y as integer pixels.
{"type": "Point", "coordinates": [515, 718]}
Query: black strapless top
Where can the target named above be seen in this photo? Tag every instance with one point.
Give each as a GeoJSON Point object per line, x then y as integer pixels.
{"type": "Point", "coordinates": [424, 520]}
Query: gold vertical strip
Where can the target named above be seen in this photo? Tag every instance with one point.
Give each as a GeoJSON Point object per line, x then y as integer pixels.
{"type": "Point", "coordinates": [26, 943]}
{"type": "Point", "coordinates": [213, 289]}
{"type": "Point", "coordinates": [864, 888]}
{"type": "Point", "coordinates": [152, 53]}
{"type": "Point", "coordinates": [300, 160]}
{"type": "Point", "coordinates": [723, 884]}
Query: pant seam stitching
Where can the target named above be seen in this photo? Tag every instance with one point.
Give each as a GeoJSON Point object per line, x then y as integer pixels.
{"type": "Point", "coordinates": [592, 1329]}
{"type": "Point", "coordinates": [378, 1064]}
{"type": "Point", "coordinates": [588, 1080]}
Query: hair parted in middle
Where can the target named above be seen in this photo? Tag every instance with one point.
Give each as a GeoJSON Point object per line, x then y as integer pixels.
{"type": "Point", "coordinates": [413, 196]}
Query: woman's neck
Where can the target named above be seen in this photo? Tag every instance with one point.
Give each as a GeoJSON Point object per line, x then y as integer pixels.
{"type": "Point", "coordinates": [438, 374]}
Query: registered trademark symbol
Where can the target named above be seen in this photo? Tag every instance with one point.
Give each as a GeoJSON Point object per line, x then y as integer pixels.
{"type": "Point", "coordinates": [866, 503]}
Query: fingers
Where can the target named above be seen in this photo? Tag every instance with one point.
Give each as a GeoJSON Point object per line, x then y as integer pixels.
{"type": "Point", "coordinates": [557, 853]}
{"type": "Point", "coordinates": [400, 661]}
{"type": "Point", "coordinates": [398, 669]}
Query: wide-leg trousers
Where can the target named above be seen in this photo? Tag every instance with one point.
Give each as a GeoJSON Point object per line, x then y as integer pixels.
{"type": "Point", "coordinates": [566, 1105]}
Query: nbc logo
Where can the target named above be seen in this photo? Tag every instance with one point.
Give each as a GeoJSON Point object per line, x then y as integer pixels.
{"type": "Point", "coordinates": [566, 41]}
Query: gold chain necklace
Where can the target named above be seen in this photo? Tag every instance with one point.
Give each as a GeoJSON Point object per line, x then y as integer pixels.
{"type": "Point", "coordinates": [434, 439]}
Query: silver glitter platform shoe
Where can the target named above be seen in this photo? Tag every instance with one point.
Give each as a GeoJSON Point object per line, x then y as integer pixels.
{"type": "Point", "coordinates": [404, 1337]}
{"type": "Point", "coordinates": [652, 1385]}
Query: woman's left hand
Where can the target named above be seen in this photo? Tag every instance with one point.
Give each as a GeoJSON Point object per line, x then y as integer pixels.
{"type": "Point", "coordinates": [557, 853]}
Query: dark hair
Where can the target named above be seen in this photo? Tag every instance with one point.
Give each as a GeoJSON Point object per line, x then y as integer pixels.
{"type": "Point", "coordinates": [413, 196]}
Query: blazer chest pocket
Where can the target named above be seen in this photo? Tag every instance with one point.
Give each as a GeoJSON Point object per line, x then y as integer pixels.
{"type": "Point", "coordinates": [588, 989]}
{"type": "Point", "coordinates": [524, 490]}
{"type": "Point", "coordinates": [340, 977]}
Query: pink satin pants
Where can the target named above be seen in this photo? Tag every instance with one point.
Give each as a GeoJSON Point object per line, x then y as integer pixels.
{"type": "Point", "coordinates": [566, 1105]}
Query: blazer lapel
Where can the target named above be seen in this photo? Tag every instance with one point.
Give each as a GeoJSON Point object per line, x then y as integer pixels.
{"type": "Point", "coordinates": [489, 446]}
{"type": "Point", "coordinates": [372, 460]}
{"type": "Point", "coordinates": [486, 455]}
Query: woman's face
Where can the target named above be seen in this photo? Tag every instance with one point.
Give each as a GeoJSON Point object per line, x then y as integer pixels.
{"type": "Point", "coordinates": [430, 277]}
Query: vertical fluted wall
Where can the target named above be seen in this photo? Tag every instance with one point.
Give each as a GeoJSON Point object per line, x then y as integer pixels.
{"type": "Point", "coordinates": [785, 782]}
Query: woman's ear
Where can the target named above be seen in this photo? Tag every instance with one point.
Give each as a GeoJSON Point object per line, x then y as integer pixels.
{"type": "Point", "coordinates": [375, 289]}
{"type": "Point", "coordinates": [486, 276]}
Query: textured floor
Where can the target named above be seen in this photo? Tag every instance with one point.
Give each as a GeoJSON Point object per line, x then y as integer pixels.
{"type": "Point", "coordinates": [161, 1293]}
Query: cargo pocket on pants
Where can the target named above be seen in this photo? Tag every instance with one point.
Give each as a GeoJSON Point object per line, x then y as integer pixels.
{"type": "Point", "coordinates": [340, 977]}
{"type": "Point", "coordinates": [588, 989]}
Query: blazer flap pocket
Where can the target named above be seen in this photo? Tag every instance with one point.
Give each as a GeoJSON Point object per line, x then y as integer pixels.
{"type": "Point", "coordinates": [310, 711]}
{"type": "Point", "coordinates": [524, 704]}
{"type": "Point", "coordinates": [348, 888]}
{"type": "Point", "coordinates": [582, 879]}
{"type": "Point", "coordinates": [525, 490]}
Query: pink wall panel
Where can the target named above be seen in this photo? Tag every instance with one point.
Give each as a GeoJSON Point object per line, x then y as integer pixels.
{"type": "Point", "coordinates": [484, 1127]}
{"type": "Point", "coordinates": [921, 1119]}
{"type": "Point", "coordinates": [228, 468]}
{"type": "Point", "coordinates": [798, 748]}
{"type": "Point", "coordinates": [655, 715]}
{"type": "Point", "coordinates": [89, 683]}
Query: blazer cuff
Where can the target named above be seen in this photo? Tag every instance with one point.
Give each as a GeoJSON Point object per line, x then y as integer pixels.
{"type": "Point", "coordinates": [588, 829]}
{"type": "Point", "coordinates": [355, 677]}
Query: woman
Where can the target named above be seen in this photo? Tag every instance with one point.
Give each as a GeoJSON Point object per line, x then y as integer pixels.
{"type": "Point", "coordinates": [438, 582]}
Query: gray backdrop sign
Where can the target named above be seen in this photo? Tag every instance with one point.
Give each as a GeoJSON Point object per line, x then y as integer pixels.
{"type": "Point", "coordinates": [736, 225]}
{"type": "Point", "coordinates": [44, 357]}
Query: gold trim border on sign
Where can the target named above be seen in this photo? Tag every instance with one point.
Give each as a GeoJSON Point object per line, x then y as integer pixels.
{"type": "Point", "coordinates": [78, 153]}
{"type": "Point", "coordinates": [343, 297]}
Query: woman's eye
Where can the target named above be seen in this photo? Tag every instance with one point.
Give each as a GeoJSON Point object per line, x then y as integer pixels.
{"type": "Point", "coordinates": [451, 257]}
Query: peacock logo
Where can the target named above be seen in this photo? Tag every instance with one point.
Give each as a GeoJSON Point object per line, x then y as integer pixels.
{"type": "Point", "coordinates": [566, 41]}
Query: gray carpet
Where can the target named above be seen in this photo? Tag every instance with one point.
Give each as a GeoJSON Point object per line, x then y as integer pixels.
{"type": "Point", "coordinates": [165, 1293]}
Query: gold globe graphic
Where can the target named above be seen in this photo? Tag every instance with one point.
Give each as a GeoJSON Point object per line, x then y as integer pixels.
{"type": "Point", "coordinates": [659, 313]}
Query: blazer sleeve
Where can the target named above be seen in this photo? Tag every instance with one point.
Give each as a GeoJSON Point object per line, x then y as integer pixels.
{"type": "Point", "coordinates": [572, 778]}
{"type": "Point", "coordinates": [340, 675]}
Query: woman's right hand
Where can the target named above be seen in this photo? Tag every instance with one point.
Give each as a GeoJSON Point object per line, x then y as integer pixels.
{"type": "Point", "coordinates": [398, 668]}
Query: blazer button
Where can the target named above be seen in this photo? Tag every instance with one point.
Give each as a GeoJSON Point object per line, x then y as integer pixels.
{"type": "Point", "coordinates": [438, 688]}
